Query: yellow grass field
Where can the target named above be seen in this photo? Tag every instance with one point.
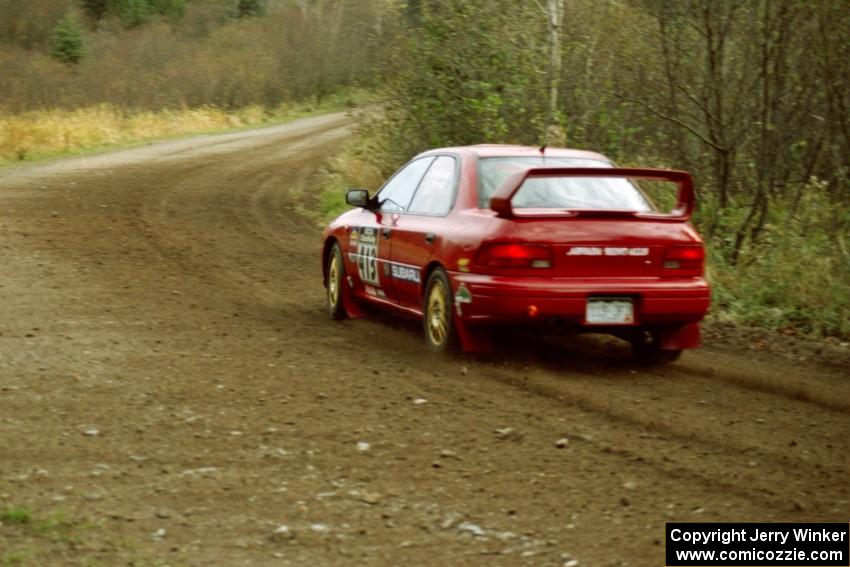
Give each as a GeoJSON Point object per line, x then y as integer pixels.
{"type": "Point", "coordinates": [43, 133]}
{"type": "Point", "coordinates": [46, 133]}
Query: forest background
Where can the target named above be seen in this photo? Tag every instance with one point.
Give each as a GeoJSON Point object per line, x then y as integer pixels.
{"type": "Point", "coordinates": [752, 96]}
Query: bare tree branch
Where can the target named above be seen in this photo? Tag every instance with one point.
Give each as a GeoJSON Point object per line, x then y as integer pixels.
{"type": "Point", "coordinates": [674, 120]}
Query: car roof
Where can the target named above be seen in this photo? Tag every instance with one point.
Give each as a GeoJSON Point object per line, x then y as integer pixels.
{"type": "Point", "coordinates": [508, 150]}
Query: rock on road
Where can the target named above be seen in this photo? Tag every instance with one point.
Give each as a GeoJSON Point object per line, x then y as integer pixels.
{"type": "Point", "coordinates": [169, 381]}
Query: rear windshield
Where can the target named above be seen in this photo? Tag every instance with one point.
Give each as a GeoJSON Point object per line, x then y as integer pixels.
{"type": "Point", "coordinates": [576, 193]}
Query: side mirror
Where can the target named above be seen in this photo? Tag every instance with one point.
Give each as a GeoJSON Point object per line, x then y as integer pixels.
{"type": "Point", "coordinates": [357, 198]}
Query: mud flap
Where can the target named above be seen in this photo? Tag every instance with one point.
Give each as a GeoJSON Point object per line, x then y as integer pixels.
{"type": "Point", "coordinates": [679, 338]}
{"type": "Point", "coordinates": [472, 339]}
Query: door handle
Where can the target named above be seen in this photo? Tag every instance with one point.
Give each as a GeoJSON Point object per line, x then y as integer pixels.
{"type": "Point", "coordinates": [429, 238]}
{"type": "Point", "coordinates": [386, 232]}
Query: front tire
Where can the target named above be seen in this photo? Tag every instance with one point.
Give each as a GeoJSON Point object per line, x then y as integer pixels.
{"type": "Point", "coordinates": [336, 279]}
{"type": "Point", "coordinates": [438, 322]}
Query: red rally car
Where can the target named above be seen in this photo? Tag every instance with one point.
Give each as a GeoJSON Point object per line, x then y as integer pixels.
{"type": "Point", "coordinates": [471, 237]}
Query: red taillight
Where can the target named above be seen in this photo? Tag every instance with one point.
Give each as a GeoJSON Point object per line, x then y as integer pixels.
{"type": "Point", "coordinates": [515, 256]}
{"type": "Point", "coordinates": [684, 258]}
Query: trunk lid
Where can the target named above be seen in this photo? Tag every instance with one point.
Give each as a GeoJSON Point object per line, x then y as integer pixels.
{"type": "Point", "coordinates": [596, 247]}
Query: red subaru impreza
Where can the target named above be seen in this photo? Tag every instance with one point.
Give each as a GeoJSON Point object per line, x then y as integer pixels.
{"type": "Point", "coordinates": [468, 238]}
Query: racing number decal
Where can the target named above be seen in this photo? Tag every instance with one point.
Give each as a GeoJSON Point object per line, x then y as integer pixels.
{"type": "Point", "coordinates": [367, 256]}
{"type": "Point", "coordinates": [367, 263]}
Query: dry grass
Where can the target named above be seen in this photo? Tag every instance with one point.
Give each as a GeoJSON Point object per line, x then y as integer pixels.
{"type": "Point", "coordinates": [47, 133]}
{"type": "Point", "coordinates": [44, 133]}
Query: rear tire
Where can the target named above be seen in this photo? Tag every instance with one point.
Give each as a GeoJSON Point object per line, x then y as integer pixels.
{"type": "Point", "coordinates": [336, 279]}
{"type": "Point", "coordinates": [437, 316]}
{"type": "Point", "coordinates": [646, 349]}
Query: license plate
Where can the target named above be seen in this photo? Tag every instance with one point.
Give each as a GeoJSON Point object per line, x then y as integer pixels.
{"type": "Point", "coordinates": [610, 312]}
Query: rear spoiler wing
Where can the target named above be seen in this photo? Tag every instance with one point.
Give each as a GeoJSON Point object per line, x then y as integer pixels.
{"type": "Point", "coordinates": [500, 201]}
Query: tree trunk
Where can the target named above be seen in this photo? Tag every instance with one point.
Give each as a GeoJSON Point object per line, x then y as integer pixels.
{"type": "Point", "coordinates": [553, 11]}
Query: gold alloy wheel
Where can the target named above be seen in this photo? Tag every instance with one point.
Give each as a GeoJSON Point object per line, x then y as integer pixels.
{"type": "Point", "coordinates": [438, 314]}
{"type": "Point", "coordinates": [333, 282]}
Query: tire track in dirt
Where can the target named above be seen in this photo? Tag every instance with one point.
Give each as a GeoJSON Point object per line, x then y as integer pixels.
{"type": "Point", "coordinates": [660, 442]}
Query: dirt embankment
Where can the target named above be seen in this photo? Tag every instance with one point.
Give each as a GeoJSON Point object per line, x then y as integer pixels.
{"type": "Point", "coordinates": [170, 385]}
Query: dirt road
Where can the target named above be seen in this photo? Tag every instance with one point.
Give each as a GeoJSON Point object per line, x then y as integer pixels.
{"type": "Point", "coordinates": [171, 392]}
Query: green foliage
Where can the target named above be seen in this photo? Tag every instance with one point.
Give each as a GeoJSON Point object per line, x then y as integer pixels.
{"type": "Point", "coordinates": [797, 277]}
{"type": "Point", "coordinates": [95, 10]}
{"type": "Point", "coordinates": [15, 557]}
{"type": "Point", "coordinates": [68, 42]}
{"type": "Point", "coordinates": [30, 538]}
{"type": "Point", "coordinates": [134, 13]}
{"type": "Point", "coordinates": [247, 8]}
{"type": "Point", "coordinates": [412, 11]}
{"type": "Point", "coordinates": [172, 10]}
{"type": "Point", "coordinates": [472, 72]}
{"type": "Point", "coordinates": [16, 515]}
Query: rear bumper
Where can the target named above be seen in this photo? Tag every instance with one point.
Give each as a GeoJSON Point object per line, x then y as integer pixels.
{"type": "Point", "coordinates": [499, 299]}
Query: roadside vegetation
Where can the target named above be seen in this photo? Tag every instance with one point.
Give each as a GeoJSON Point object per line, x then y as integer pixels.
{"type": "Point", "coordinates": [156, 54]}
{"type": "Point", "coordinates": [80, 74]}
{"type": "Point", "coordinates": [752, 97]}
{"type": "Point", "coordinates": [48, 133]}
{"type": "Point", "coordinates": [33, 537]}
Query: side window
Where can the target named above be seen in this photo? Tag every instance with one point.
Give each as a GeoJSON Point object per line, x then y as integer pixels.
{"type": "Point", "coordinates": [436, 191]}
{"type": "Point", "coordinates": [396, 194]}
